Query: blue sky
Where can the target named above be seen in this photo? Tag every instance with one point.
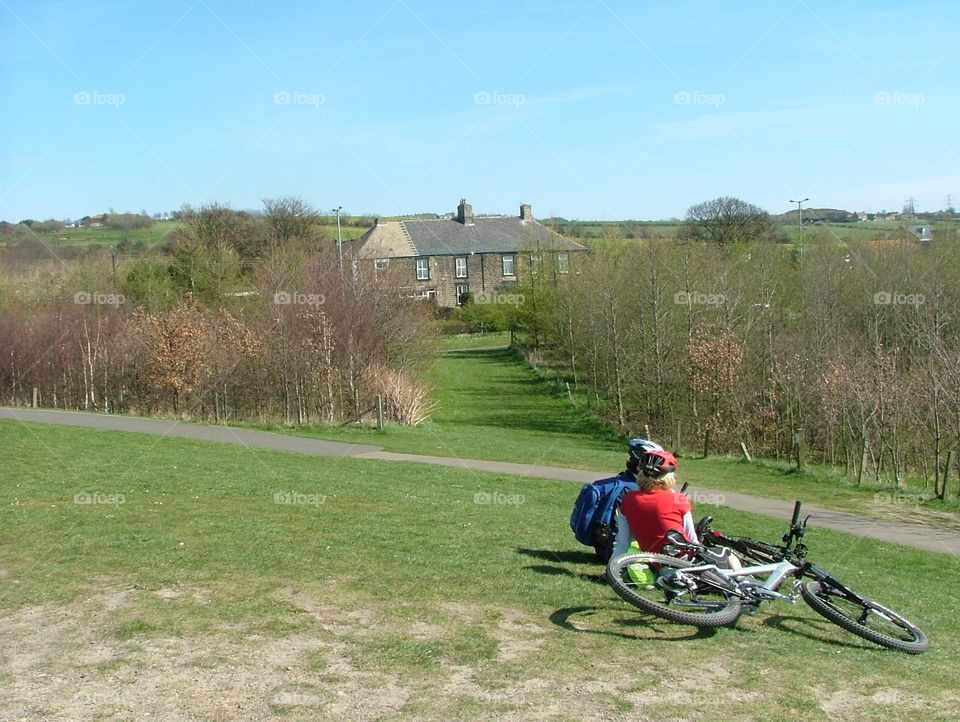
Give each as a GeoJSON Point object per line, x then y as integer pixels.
{"type": "Point", "coordinates": [584, 108]}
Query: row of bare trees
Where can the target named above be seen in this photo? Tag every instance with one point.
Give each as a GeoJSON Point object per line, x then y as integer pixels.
{"type": "Point", "coordinates": [849, 355]}
{"type": "Point", "coordinates": [292, 339]}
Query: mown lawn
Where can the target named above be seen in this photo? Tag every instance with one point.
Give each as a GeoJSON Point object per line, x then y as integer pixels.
{"type": "Point", "coordinates": [491, 405]}
{"type": "Point", "coordinates": [212, 581]}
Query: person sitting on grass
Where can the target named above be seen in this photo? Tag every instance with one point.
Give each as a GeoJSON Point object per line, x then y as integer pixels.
{"type": "Point", "coordinates": [654, 509]}
{"type": "Point", "coordinates": [647, 514]}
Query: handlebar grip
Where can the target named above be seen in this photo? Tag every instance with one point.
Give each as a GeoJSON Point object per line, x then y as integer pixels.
{"type": "Point", "coordinates": [683, 489]}
{"type": "Point", "coordinates": [796, 514]}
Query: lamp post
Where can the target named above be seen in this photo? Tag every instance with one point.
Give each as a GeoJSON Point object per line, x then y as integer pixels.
{"type": "Point", "coordinates": [800, 221]}
{"type": "Point", "coordinates": [339, 239]}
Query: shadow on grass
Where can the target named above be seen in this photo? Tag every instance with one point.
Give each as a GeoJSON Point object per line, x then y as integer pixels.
{"type": "Point", "coordinates": [565, 557]}
{"type": "Point", "coordinates": [827, 635]}
{"type": "Point", "coordinates": [645, 626]}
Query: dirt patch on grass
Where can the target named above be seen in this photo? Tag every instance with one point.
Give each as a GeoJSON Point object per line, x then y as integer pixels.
{"type": "Point", "coordinates": [69, 663]}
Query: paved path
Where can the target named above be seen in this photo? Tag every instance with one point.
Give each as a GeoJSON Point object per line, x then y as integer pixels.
{"type": "Point", "coordinates": [914, 535]}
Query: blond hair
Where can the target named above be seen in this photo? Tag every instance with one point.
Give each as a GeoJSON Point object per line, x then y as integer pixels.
{"type": "Point", "coordinates": [666, 482]}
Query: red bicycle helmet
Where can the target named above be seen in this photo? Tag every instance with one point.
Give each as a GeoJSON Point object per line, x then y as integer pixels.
{"type": "Point", "coordinates": [657, 463]}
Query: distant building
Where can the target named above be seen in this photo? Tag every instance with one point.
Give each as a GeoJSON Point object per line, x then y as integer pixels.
{"type": "Point", "coordinates": [451, 259]}
{"type": "Point", "coordinates": [923, 233]}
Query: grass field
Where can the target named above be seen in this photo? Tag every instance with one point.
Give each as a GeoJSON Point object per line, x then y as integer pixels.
{"type": "Point", "coordinates": [102, 236]}
{"type": "Point", "coordinates": [491, 405]}
{"type": "Point", "coordinates": [210, 582]}
{"type": "Point", "coordinates": [156, 234]}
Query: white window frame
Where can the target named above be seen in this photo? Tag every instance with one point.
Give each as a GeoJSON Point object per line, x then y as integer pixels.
{"type": "Point", "coordinates": [380, 264]}
{"type": "Point", "coordinates": [536, 261]}
{"type": "Point", "coordinates": [466, 290]}
{"type": "Point", "coordinates": [423, 271]}
{"type": "Point", "coordinates": [513, 264]}
{"type": "Point", "coordinates": [457, 267]}
{"type": "Point", "coordinates": [563, 263]}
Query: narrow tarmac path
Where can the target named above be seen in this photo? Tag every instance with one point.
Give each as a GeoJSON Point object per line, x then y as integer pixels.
{"type": "Point", "coordinates": [946, 541]}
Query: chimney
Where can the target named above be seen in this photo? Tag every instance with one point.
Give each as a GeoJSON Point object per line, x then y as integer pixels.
{"type": "Point", "coordinates": [465, 212]}
{"type": "Point", "coordinates": [526, 212]}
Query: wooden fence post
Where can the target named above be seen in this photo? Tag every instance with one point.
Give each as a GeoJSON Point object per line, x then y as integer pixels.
{"type": "Point", "coordinates": [36, 397]}
{"type": "Point", "coordinates": [746, 454]}
{"type": "Point", "coordinates": [379, 411]}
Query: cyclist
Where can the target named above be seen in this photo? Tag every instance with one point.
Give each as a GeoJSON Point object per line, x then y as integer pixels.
{"type": "Point", "coordinates": [655, 508]}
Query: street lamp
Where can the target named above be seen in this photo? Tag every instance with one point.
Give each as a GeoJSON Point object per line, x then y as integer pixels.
{"type": "Point", "coordinates": [339, 239]}
{"type": "Point", "coordinates": [800, 221]}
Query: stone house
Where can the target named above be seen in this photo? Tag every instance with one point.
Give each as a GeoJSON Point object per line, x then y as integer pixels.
{"type": "Point", "coordinates": [450, 259]}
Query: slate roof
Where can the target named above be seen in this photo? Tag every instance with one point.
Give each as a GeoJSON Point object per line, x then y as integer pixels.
{"type": "Point", "coordinates": [448, 236]}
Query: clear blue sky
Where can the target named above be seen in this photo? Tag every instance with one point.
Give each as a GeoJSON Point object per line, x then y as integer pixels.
{"type": "Point", "coordinates": [585, 108]}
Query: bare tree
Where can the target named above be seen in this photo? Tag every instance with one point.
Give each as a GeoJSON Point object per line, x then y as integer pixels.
{"type": "Point", "coordinates": [725, 221]}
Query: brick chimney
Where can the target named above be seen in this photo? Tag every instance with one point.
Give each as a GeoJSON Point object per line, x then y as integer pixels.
{"type": "Point", "coordinates": [465, 212]}
{"type": "Point", "coordinates": [526, 212]}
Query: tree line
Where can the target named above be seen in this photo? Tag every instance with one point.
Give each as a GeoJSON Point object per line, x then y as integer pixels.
{"type": "Point", "coordinates": [214, 329]}
{"type": "Point", "coordinates": [846, 354]}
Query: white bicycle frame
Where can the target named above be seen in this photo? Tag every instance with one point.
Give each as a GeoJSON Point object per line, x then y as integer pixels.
{"type": "Point", "coordinates": [776, 572]}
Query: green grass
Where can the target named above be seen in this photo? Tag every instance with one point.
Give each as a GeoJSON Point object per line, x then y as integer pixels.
{"type": "Point", "coordinates": [491, 405]}
{"type": "Point", "coordinates": [475, 341]}
{"type": "Point", "coordinates": [400, 569]}
{"type": "Point", "coordinates": [155, 234]}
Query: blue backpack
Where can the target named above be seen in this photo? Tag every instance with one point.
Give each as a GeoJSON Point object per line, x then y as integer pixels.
{"type": "Point", "coordinates": [592, 520]}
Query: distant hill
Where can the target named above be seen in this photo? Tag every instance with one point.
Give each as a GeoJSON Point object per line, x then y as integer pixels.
{"type": "Point", "coordinates": [818, 215]}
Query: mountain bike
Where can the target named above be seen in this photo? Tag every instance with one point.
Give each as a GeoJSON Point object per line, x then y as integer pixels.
{"type": "Point", "coordinates": [689, 584]}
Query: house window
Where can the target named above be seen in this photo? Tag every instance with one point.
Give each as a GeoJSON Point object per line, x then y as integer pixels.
{"type": "Point", "coordinates": [563, 263]}
{"type": "Point", "coordinates": [461, 267]}
{"type": "Point", "coordinates": [380, 264]}
{"type": "Point", "coordinates": [462, 291]}
{"type": "Point", "coordinates": [535, 263]}
{"type": "Point", "coordinates": [423, 269]}
{"type": "Point", "coordinates": [508, 263]}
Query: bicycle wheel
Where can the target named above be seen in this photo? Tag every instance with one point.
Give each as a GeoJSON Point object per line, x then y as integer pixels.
{"type": "Point", "coordinates": [687, 598]}
{"type": "Point", "coordinates": [864, 617]}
